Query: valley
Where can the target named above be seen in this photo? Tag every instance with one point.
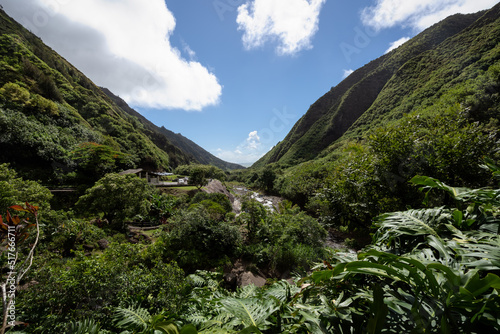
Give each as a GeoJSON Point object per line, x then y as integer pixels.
{"type": "Point", "coordinates": [377, 213]}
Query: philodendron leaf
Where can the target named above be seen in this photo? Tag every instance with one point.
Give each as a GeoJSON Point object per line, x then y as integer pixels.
{"type": "Point", "coordinates": [188, 329]}
{"type": "Point", "coordinates": [477, 286]}
{"type": "Point", "coordinates": [166, 327]}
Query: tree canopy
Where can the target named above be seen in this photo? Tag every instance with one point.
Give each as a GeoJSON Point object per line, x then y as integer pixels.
{"type": "Point", "coordinates": [117, 197]}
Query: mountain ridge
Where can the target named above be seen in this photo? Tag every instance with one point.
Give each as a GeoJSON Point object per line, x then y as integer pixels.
{"type": "Point", "coordinates": [335, 113]}
{"type": "Point", "coordinates": [189, 147]}
{"type": "Point", "coordinates": [55, 122]}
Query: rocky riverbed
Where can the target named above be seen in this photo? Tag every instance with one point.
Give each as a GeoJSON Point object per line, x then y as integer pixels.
{"type": "Point", "coordinates": [238, 274]}
{"type": "Point", "coordinates": [238, 192]}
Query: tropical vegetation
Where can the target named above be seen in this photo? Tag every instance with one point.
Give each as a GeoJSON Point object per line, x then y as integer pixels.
{"type": "Point", "coordinates": [400, 161]}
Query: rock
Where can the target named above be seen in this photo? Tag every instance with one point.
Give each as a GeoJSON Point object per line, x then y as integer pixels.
{"type": "Point", "coordinates": [103, 244]}
{"type": "Point", "coordinates": [215, 186]}
{"type": "Point", "coordinates": [248, 278]}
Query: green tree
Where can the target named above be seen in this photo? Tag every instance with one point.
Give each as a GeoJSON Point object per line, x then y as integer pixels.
{"type": "Point", "coordinates": [198, 176]}
{"type": "Point", "coordinates": [95, 160]}
{"type": "Point", "coordinates": [16, 191]}
{"type": "Point", "coordinates": [122, 274]}
{"type": "Point", "coordinates": [199, 241]}
{"type": "Point", "coordinates": [117, 197]}
{"type": "Point", "coordinates": [266, 179]}
{"type": "Point", "coordinates": [253, 214]}
{"type": "Point", "coordinates": [163, 206]}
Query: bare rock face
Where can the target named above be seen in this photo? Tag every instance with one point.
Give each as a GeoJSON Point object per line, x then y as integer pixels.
{"type": "Point", "coordinates": [247, 278]}
{"type": "Point", "coordinates": [215, 186]}
{"type": "Point", "coordinates": [240, 276]}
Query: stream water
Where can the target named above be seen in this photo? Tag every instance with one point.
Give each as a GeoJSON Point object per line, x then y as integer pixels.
{"type": "Point", "coordinates": [272, 202]}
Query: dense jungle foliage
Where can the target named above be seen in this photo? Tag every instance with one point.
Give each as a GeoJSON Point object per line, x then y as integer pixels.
{"type": "Point", "coordinates": [416, 75]}
{"type": "Point", "coordinates": [412, 184]}
{"type": "Point", "coordinates": [78, 132]}
{"type": "Point", "coordinates": [427, 270]}
{"type": "Point", "coordinates": [356, 180]}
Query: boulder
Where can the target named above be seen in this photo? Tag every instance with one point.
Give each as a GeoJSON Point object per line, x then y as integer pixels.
{"type": "Point", "coordinates": [248, 278]}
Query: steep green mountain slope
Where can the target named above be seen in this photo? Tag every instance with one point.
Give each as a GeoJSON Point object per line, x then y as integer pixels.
{"type": "Point", "coordinates": [186, 145]}
{"type": "Point", "coordinates": [415, 74]}
{"type": "Point", "coordinates": [57, 126]}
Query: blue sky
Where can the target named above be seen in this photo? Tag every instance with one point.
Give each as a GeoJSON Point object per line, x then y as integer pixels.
{"type": "Point", "coordinates": [232, 75]}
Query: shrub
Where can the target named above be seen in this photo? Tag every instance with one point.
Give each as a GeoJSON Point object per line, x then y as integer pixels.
{"type": "Point", "coordinates": [117, 197]}
{"type": "Point", "coordinates": [91, 287]}
{"type": "Point", "coordinates": [218, 198]}
{"type": "Point", "coordinates": [74, 234]}
{"type": "Point", "coordinates": [15, 190]}
{"type": "Point", "coordinates": [197, 241]}
{"type": "Point", "coordinates": [13, 95]}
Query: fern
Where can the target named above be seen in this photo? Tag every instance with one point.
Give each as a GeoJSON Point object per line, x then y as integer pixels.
{"type": "Point", "coordinates": [282, 291]}
{"type": "Point", "coordinates": [87, 326]}
{"type": "Point", "coordinates": [250, 311]}
{"type": "Point", "coordinates": [132, 318]}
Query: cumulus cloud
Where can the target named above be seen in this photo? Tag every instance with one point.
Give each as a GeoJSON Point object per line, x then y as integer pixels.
{"type": "Point", "coordinates": [398, 43]}
{"type": "Point", "coordinates": [253, 140]}
{"type": "Point", "coordinates": [249, 151]}
{"type": "Point", "coordinates": [418, 14]}
{"type": "Point", "coordinates": [347, 73]}
{"type": "Point", "coordinates": [290, 23]}
{"type": "Point", "coordinates": [124, 46]}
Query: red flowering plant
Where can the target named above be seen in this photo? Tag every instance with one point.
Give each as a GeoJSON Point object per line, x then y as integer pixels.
{"type": "Point", "coordinates": [14, 231]}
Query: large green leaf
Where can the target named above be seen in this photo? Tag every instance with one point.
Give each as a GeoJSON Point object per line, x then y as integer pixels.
{"type": "Point", "coordinates": [132, 318]}
{"type": "Point", "coordinates": [477, 286]}
{"type": "Point", "coordinates": [482, 195]}
{"type": "Point", "coordinates": [250, 311]}
{"type": "Point", "coordinates": [166, 327]}
{"type": "Point", "coordinates": [379, 311]}
{"type": "Point", "coordinates": [392, 226]}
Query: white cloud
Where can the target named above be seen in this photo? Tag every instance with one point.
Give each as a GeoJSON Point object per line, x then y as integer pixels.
{"type": "Point", "coordinates": [418, 14]}
{"type": "Point", "coordinates": [292, 23]}
{"type": "Point", "coordinates": [398, 43]}
{"type": "Point", "coordinates": [124, 46]}
{"type": "Point", "coordinates": [187, 49]}
{"type": "Point", "coordinates": [347, 73]}
{"type": "Point", "coordinates": [253, 140]}
{"type": "Point", "coordinates": [249, 151]}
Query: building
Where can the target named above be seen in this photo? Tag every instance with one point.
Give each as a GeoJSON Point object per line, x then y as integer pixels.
{"type": "Point", "coordinates": [152, 177]}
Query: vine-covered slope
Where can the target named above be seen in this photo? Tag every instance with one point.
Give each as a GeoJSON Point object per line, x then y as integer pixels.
{"type": "Point", "coordinates": [412, 76]}
{"type": "Point", "coordinates": [56, 124]}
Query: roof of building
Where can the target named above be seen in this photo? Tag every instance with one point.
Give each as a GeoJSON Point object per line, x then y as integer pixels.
{"type": "Point", "coordinates": [131, 171]}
